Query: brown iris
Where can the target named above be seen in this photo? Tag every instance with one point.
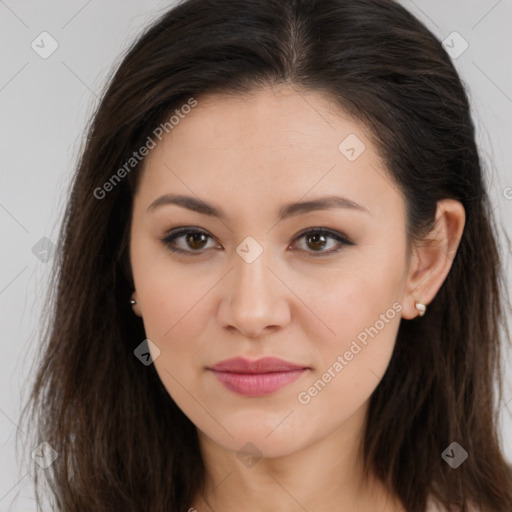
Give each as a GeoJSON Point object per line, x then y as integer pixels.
{"type": "Point", "coordinates": [317, 239]}
{"type": "Point", "coordinates": [196, 238]}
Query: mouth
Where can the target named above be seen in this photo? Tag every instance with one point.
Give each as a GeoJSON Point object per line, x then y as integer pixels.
{"type": "Point", "coordinates": [257, 378]}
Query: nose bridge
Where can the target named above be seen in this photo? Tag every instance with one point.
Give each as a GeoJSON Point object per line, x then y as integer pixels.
{"type": "Point", "coordinates": [251, 279]}
{"type": "Point", "coordinates": [252, 272]}
{"type": "Point", "coordinates": [255, 297]}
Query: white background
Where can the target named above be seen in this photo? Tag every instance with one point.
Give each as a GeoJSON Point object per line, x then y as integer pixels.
{"type": "Point", "coordinates": [45, 104]}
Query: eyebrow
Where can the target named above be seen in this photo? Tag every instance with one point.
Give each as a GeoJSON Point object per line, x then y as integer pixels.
{"type": "Point", "coordinates": [288, 210]}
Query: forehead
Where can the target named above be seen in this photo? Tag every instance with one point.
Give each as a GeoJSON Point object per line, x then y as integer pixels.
{"type": "Point", "coordinates": [276, 118]}
{"type": "Point", "coordinates": [266, 145]}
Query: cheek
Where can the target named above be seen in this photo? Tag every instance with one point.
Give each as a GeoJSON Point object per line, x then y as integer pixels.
{"type": "Point", "coordinates": [177, 308]}
{"type": "Point", "coordinates": [351, 363]}
{"type": "Point", "coordinates": [363, 314]}
{"type": "Point", "coordinates": [173, 317]}
{"type": "Point", "coordinates": [356, 298]}
{"type": "Point", "coordinates": [173, 296]}
{"type": "Point", "coordinates": [174, 320]}
{"type": "Point", "coordinates": [363, 326]}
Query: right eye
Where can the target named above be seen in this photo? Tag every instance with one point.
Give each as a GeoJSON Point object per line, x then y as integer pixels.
{"type": "Point", "coordinates": [193, 240]}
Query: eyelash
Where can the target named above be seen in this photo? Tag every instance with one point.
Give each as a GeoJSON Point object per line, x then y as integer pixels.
{"type": "Point", "coordinates": [173, 235]}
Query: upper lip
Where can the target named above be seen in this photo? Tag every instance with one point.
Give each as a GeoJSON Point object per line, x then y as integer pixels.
{"type": "Point", "coordinates": [263, 365]}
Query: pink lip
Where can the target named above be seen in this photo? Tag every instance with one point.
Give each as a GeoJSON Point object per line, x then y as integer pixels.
{"type": "Point", "coordinates": [256, 378]}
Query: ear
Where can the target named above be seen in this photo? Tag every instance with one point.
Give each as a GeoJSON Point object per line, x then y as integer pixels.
{"type": "Point", "coordinates": [432, 258]}
{"type": "Point", "coordinates": [136, 307]}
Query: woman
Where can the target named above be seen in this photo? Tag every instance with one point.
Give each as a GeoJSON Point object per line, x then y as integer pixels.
{"type": "Point", "coordinates": [279, 284]}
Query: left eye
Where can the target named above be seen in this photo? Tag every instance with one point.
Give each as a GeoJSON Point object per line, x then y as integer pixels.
{"type": "Point", "coordinates": [316, 239]}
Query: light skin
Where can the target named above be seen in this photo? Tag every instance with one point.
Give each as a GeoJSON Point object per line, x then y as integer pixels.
{"type": "Point", "coordinates": [249, 156]}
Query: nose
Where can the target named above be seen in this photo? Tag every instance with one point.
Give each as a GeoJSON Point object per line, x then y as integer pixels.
{"type": "Point", "coordinates": [255, 300]}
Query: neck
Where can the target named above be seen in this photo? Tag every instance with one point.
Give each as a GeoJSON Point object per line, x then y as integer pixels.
{"type": "Point", "coordinates": [324, 475]}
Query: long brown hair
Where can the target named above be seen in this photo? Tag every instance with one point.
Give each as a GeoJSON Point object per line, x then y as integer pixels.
{"type": "Point", "coordinates": [122, 442]}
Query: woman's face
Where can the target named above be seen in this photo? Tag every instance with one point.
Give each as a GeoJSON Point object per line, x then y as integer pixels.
{"type": "Point", "coordinates": [259, 278]}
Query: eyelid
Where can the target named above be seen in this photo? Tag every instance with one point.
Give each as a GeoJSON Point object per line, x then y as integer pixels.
{"type": "Point", "coordinates": [326, 231]}
{"type": "Point", "coordinates": [342, 239]}
{"type": "Point", "coordinates": [175, 233]}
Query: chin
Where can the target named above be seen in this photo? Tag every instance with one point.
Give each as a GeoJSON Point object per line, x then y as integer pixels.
{"type": "Point", "coordinates": [257, 442]}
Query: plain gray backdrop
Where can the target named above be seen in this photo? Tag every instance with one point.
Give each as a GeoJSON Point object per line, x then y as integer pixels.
{"type": "Point", "coordinates": [46, 100]}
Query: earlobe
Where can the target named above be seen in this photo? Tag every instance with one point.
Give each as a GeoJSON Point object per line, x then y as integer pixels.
{"type": "Point", "coordinates": [135, 305]}
{"type": "Point", "coordinates": [422, 309]}
{"type": "Point", "coordinates": [432, 258]}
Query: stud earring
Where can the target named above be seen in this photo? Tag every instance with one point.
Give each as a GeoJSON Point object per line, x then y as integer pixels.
{"type": "Point", "coordinates": [133, 302]}
{"type": "Point", "coordinates": [420, 307]}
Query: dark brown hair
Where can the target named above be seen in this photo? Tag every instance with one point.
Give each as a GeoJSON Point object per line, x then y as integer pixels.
{"type": "Point", "coordinates": [123, 444]}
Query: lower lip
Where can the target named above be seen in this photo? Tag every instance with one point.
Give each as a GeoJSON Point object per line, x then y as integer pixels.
{"type": "Point", "coordinates": [257, 384]}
